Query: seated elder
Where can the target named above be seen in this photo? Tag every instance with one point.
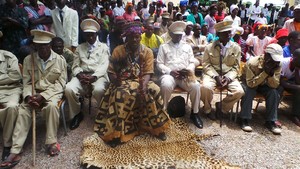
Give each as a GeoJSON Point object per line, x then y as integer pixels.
{"type": "Point", "coordinates": [132, 104]}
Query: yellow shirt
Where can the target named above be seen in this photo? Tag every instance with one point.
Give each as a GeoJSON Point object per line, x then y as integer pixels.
{"type": "Point", "coordinates": [153, 42]}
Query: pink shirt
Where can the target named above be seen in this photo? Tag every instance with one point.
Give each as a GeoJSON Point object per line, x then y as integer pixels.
{"type": "Point", "coordinates": [129, 17]}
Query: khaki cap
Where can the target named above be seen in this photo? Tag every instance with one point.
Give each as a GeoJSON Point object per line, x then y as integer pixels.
{"type": "Point", "coordinates": [223, 26]}
{"type": "Point", "coordinates": [40, 36]}
{"type": "Point", "coordinates": [89, 25]}
{"type": "Point", "coordinates": [165, 15]}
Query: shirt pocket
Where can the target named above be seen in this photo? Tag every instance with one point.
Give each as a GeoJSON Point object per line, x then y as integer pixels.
{"type": "Point", "coordinates": [214, 59]}
{"type": "Point", "coordinates": [53, 75]}
{"type": "Point", "coordinates": [231, 58]}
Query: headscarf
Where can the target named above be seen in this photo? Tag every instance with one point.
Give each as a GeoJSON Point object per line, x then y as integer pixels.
{"type": "Point", "coordinates": [134, 27]}
{"type": "Point", "coordinates": [232, 7]}
{"type": "Point", "coordinates": [128, 5]}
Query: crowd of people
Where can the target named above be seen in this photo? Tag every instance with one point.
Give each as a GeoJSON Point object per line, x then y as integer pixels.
{"type": "Point", "coordinates": [109, 51]}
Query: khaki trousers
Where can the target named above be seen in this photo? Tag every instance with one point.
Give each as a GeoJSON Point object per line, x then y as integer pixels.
{"type": "Point", "coordinates": [74, 89]}
{"type": "Point", "coordinates": [235, 92]}
{"type": "Point", "coordinates": [50, 112]}
{"type": "Point", "coordinates": [168, 83]}
{"type": "Point", "coordinates": [8, 117]}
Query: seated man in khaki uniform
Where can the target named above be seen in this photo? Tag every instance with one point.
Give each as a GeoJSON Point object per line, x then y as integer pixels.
{"type": "Point", "coordinates": [230, 55]}
{"type": "Point", "coordinates": [89, 68]}
{"type": "Point", "coordinates": [50, 75]}
{"type": "Point", "coordinates": [10, 92]}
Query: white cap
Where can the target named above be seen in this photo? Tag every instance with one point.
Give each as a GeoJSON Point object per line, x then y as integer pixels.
{"type": "Point", "coordinates": [40, 36]}
{"type": "Point", "coordinates": [275, 51]}
{"type": "Point", "coordinates": [89, 25]}
{"type": "Point", "coordinates": [177, 27]}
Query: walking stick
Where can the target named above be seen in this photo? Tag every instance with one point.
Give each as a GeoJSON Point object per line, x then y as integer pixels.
{"type": "Point", "coordinates": [221, 74]}
{"type": "Point", "coordinates": [33, 112]}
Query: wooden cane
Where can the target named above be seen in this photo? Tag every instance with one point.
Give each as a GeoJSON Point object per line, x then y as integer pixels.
{"type": "Point", "coordinates": [33, 112]}
{"type": "Point", "coordinates": [221, 100]}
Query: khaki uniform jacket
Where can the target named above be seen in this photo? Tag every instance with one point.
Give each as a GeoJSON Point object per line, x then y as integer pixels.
{"type": "Point", "coordinates": [10, 75]}
{"type": "Point", "coordinates": [255, 74]}
{"type": "Point", "coordinates": [51, 82]}
{"type": "Point", "coordinates": [97, 61]}
{"type": "Point", "coordinates": [230, 62]}
{"type": "Point", "coordinates": [200, 42]}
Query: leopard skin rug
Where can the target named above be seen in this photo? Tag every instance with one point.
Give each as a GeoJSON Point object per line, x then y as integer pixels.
{"type": "Point", "coordinates": [181, 150]}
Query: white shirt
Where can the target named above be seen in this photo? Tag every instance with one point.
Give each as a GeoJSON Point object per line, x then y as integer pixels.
{"type": "Point", "coordinates": [118, 11]}
{"type": "Point", "coordinates": [236, 21]}
{"type": "Point", "coordinates": [44, 63]}
{"type": "Point", "coordinates": [286, 71]}
{"type": "Point", "coordinates": [261, 20]}
{"type": "Point", "coordinates": [243, 13]}
{"type": "Point", "coordinates": [255, 11]}
{"type": "Point", "coordinates": [259, 45]}
{"type": "Point", "coordinates": [175, 57]}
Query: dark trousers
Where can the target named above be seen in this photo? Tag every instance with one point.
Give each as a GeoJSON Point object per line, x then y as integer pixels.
{"type": "Point", "coordinates": [271, 95]}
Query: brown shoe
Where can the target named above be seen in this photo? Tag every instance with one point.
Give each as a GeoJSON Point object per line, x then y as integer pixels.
{"type": "Point", "coordinates": [296, 120]}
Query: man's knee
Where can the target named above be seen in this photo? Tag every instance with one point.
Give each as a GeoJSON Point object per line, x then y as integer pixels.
{"type": "Point", "coordinates": [167, 82]}
{"type": "Point", "coordinates": [195, 86]}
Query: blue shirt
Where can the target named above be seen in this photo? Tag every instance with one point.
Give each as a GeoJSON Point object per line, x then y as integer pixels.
{"type": "Point", "coordinates": [286, 51]}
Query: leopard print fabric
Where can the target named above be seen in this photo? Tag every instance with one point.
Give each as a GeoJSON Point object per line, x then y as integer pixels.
{"type": "Point", "coordinates": [181, 150]}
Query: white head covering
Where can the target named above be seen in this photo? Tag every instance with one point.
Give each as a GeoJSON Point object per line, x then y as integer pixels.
{"type": "Point", "coordinates": [232, 7]}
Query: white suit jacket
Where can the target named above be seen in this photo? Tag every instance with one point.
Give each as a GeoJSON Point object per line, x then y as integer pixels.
{"type": "Point", "coordinates": [68, 31]}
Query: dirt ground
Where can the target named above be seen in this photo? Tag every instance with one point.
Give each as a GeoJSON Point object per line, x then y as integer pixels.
{"type": "Point", "coordinates": [259, 149]}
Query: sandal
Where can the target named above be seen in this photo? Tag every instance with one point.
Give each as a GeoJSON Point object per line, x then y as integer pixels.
{"type": "Point", "coordinates": [53, 149]}
{"type": "Point", "coordinates": [10, 162]}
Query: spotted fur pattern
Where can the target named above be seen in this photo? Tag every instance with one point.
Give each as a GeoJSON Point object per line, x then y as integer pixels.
{"type": "Point", "coordinates": [180, 150]}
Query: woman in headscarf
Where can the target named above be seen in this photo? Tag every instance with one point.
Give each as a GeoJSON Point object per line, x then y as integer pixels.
{"type": "Point", "coordinates": [129, 12]}
{"type": "Point", "coordinates": [132, 103]}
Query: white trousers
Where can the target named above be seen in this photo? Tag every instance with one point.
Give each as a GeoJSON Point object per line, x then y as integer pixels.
{"type": "Point", "coordinates": [168, 83]}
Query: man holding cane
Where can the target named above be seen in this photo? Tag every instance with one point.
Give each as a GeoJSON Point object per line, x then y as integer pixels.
{"type": "Point", "coordinates": [50, 74]}
{"type": "Point", "coordinates": [221, 66]}
{"type": "Point", "coordinates": [89, 68]}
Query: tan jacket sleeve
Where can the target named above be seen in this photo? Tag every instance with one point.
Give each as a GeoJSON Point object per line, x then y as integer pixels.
{"type": "Point", "coordinates": [274, 81]}
{"type": "Point", "coordinates": [12, 73]}
{"type": "Point", "coordinates": [253, 80]}
{"type": "Point", "coordinates": [76, 63]}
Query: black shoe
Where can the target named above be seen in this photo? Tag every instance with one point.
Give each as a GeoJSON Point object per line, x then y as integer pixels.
{"type": "Point", "coordinates": [5, 153]}
{"type": "Point", "coordinates": [245, 126]}
{"type": "Point", "coordinates": [211, 116]}
{"type": "Point", "coordinates": [76, 121]}
{"type": "Point", "coordinates": [162, 136]}
{"type": "Point", "coordinates": [196, 120]}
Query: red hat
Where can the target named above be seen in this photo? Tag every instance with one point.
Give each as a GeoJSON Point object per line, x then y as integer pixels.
{"type": "Point", "coordinates": [281, 33]}
{"type": "Point", "coordinates": [255, 25]}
